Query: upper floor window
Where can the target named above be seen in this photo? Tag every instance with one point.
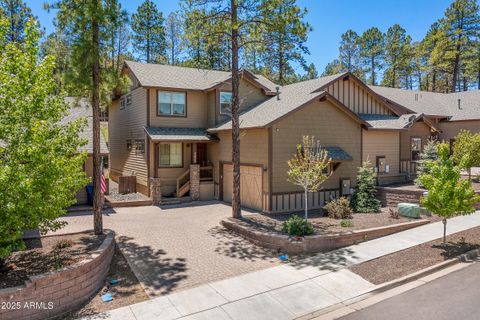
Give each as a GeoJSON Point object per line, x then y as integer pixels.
{"type": "Point", "coordinates": [226, 103]}
{"type": "Point", "coordinates": [171, 103]}
{"type": "Point", "coordinates": [416, 148]}
{"type": "Point", "coordinates": [128, 99]}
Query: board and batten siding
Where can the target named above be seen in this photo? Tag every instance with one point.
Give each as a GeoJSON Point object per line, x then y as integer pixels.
{"type": "Point", "coordinates": [383, 143]}
{"type": "Point", "coordinates": [328, 125]}
{"type": "Point", "coordinates": [123, 125]}
{"type": "Point", "coordinates": [451, 128]}
{"type": "Point", "coordinates": [357, 97]}
{"type": "Point", "coordinates": [419, 130]}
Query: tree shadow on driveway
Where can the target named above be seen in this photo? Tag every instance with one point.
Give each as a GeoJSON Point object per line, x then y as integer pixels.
{"type": "Point", "coordinates": [232, 245]}
{"type": "Point", "coordinates": [156, 272]}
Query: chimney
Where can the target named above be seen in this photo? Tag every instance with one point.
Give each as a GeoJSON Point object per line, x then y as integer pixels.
{"type": "Point", "coordinates": [278, 92]}
{"type": "Point", "coordinates": [459, 104]}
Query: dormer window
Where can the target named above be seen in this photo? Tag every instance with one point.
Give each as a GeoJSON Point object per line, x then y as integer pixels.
{"type": "Point", "coordinates": [225, 103]}
{"type": "Point", "coordinates": [171, 104]}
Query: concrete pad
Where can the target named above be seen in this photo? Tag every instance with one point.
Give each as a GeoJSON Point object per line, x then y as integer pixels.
{"type": "Point", "coordinates": [259, 307]}
{"type": "Point", "coordinates": [196, 299]}
{"type": "Point", "coordinates": [124, 313]}
{"type": "Point", "coordinates": [344, 284]}
{"type": "Point", "coordinates": [212, 314]}
{"type": "Point", "coordinates": [304, 297]}
{"type": "Point", "coordinates": [238, 288]}
{"type": "Point", "coordinates": [276, 277]}
{"type": "Point", "coordinates": [158, 309]}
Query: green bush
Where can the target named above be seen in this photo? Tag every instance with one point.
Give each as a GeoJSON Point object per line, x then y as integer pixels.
{"type": "Point", "coordinates": [339, 208]}
{"type": "Point", "coordinates": [296, 226]}
{"type": "Point", "coordinates": [346, 223]}
{"type": "Point", "coordinates": [363, 200]}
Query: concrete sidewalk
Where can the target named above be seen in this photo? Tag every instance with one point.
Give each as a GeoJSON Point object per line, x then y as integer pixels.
{"type": "Point", "coordinates": [287, 291]}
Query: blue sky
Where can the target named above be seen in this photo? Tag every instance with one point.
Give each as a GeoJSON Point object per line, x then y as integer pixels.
{"type": "Point", "coordinates": [329, 19]}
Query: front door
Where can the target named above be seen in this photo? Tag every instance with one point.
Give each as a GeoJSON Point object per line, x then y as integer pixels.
{"type": "Point", "coordinates": [202, 154]}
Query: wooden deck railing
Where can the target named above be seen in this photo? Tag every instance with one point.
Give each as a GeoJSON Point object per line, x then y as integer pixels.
{"type": "Point", "coordinates": [408, 166]}
{"type": "Point", "coordinates": [206, 173]}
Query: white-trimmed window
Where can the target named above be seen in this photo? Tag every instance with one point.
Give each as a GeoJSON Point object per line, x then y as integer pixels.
{"type": "Point", "coordinates": [225, 103]}
{"type": "Point", "coordinates": [170, 155]}
{"type": "Point", "coordinates": [172, 104]}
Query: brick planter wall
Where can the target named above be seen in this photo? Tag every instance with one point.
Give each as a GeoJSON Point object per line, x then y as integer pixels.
{"type": "Point", "coordinates": [390, 197]}
{"type": "Point", "coordinates": [315, 243]}
{"type": "Point", "coordinates": [52, 294]}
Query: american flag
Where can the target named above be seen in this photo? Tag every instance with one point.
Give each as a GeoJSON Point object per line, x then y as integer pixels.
{"type": "Point", "coordinates": [103, 183]}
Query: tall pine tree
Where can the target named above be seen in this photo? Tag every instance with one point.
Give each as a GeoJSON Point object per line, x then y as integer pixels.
{"type": "Point", "coordinates": [372, 52]}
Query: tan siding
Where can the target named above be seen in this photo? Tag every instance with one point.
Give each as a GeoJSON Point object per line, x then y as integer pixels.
{"type": "Point", "coordinates": [419, 129]}
{"type": "Point", "coordinates": [356, 98]}
{"type": "Point", "coordinates": [253, 150]}
{"type": "Point", "coordinates": [330, 126]}
{"type": "Point", "coordinates": [211, 109]}
{"type": "Point", "coordinates": [196, 112]}
{"type": "Point", "coordinates": [128, 124]}
{"type": "Point", "coordinates": [382, 143]}
{"type": "Point", "coordinates": [451, 128]}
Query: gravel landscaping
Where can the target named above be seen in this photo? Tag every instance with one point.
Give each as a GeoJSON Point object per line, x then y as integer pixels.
{"type": "Point", "coordinates": [128, 290]}
{"type": "Point", "coordinates": [47, 254]}
{"type": "Point", "coordinates": [402, 263]}
{"type": "Point", "coordinates": [326, 225]}
{"type": "Point", "coordinates": [115, 196]}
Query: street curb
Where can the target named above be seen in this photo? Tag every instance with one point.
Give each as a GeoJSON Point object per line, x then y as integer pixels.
{"type": "Point", "coordinates": [344, 308]}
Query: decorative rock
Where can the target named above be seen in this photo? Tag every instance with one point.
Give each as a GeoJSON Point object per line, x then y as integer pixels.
{"type": "Point", "coordinates": [195, 182]}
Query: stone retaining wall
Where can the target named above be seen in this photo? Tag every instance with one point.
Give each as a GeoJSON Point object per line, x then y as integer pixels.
{"type": "Point", "coordinates": [390, 197]}
{"type": "Point", "coordinates": [52, 294]}
{"type": "Point", "coordinates": [315, 243]}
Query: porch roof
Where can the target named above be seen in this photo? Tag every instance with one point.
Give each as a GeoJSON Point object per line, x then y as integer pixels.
{"type": "Point", "coordinates": [179, 134]}
{"type": "Point", "coordinates": [337, 154]}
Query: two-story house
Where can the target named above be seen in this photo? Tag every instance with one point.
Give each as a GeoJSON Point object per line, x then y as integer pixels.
{"type": "Point", "coordinates": [172, 130]}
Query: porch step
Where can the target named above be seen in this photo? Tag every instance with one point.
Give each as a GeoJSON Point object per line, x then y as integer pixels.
{"type": "Point", "coordinates": [183, 190]}
{"type": "Point", "coordinates": [173, 201]}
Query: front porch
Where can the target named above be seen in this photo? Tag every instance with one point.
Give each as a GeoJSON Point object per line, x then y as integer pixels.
{"type": "Point", "coordinates": [179, 168]}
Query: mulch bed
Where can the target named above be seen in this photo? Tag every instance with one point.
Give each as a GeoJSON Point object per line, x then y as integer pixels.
{"type": "Point", "coordinates": [128, 290]}
{"type": "Point", "coordinates": [326, 225]}
{"type": "Point", "coordinates": [402, 263]}
{"type": "Point", "coordinates": [47, 254]}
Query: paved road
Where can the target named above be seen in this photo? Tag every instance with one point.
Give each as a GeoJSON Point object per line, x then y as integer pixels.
{"type": "Point", "coordinates": [454, 296]}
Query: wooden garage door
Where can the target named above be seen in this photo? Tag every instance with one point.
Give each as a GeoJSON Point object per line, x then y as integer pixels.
{"type": "Point", "coordinates": [250, 185]}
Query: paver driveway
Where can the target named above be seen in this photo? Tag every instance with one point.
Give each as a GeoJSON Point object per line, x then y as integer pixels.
{"type": "Point", "coordinates": [178, 248]}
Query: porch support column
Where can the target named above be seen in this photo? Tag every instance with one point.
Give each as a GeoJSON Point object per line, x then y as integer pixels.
{"type": "Point", "coordinates": [156, 191]}
{"type": "Point", "coordinates": [195, 182]}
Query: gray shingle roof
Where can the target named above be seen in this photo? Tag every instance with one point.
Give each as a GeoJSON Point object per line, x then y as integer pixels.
{"type": "Point", "coordinates": [291, 97]}
{"type": "Point", "coordinates": [80, 108]}
{"type": "Point", "coordinates": [179, 134]}
{"type": "Point", "coordinates": [159, 75]}
{"type": "Point", "coordinates": [434, 103]}
{"type": "Point", "coordinates": [337, 154]}
{"type": "Point", "coordinates": [379, 121]}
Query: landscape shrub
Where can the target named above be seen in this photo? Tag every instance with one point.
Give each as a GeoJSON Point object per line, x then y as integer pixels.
{"type": "Point", "coordinates": [296, 226]}
{"type": "Point", "coordinates": [346, 223]}
{"type": "Point", "coordinates": [363, 199]}
{"type": "Point", "coordinates": [339, 208]}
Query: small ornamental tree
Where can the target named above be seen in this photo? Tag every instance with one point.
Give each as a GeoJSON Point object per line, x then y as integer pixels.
{"type": "Point", "coordinates": [466, 150]}
{"type": "Point", "coordinates": [40, 167]}
{"type": "Point", "coordinates": [429, 154]}
{"type": "Point", "coordinates": [363, 199]}
{"type": "Point", "coordinates": [448, 195]}
{"type": "Point", "coordinates": [309, 166]}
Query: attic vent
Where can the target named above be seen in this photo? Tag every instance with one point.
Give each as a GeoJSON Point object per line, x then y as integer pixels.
{"type": "Point", "coordinates": [278, 92]}
{"type": "Point", "coordinates": [459, 104]}
{"type": "Point", "coordinates": [411, 118]}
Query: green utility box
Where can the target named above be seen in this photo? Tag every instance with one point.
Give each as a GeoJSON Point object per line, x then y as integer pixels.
{"type": "Point", "coordinates": [410, 210]}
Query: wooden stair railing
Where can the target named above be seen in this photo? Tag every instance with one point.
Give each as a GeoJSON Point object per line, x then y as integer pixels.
{"type": "Point", "coordinates": [183, 187]}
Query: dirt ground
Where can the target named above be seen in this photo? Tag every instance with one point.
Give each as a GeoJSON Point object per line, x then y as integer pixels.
{"type": "Point", "coordinates": [127, 291]}
{"type": "Point", "coordinates": [326, 225]}
{"type": "Point", "coordinates": [47, 254]}
{"type": "Point", "coordinates": [402, 263]}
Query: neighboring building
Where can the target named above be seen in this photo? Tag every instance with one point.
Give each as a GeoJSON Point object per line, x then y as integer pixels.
{"type": "Point", "coordinates": [172, 131]}
{"type": "Point", "coordinates": [80, 108]}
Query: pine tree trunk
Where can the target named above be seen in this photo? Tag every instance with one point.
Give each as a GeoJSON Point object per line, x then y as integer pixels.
{"type": "Point", "coordinates": [236, 208]}
{"type": "Point", "coordinates": [456, 68]}
{"type": "Point", "coordinates": [97, 201]}
{"type": "Point", "coordinates": [373, 70]}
